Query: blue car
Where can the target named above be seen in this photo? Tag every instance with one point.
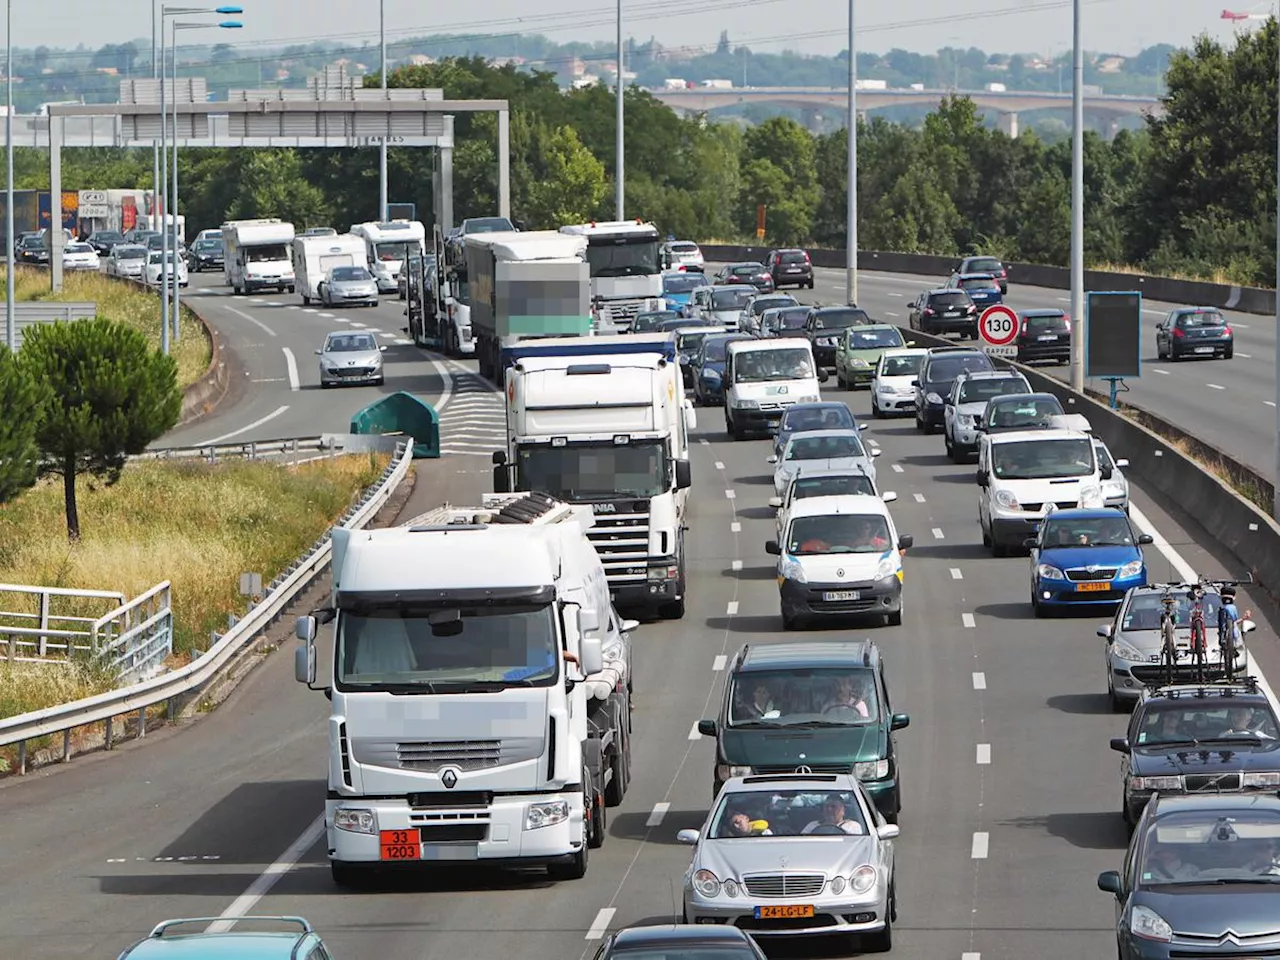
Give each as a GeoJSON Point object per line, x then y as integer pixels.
{"type": "Point", "coordinates": [983, 288]}
{"type": "Point", "coordinates": [262, 938]}
{"type": "Point", "coordinates": [1085, 558]}
{"type": "Point", "coordinates": [706, 367]}
{"type": "Point", "coordinates": [823, 415]}
{"type": "Point", "coordinates": [677, 290]}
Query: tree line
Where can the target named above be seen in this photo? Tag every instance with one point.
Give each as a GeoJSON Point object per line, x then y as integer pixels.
{"type": "Point", "coordinates": [1191, 194]}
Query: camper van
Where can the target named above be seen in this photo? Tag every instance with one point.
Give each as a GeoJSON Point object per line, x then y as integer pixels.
{"type": "Point", "coordinates": [387, 247]}
{"type": "Point", "coordinates": [256, 255]}
{"type": "Point", "coordinates": [314, 256]}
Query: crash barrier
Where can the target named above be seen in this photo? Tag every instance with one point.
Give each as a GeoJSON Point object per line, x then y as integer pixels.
{"type": "Point", "coordinates": [289, 451]}
{"type": "Point", "coordinates": [1249, 532]}
{"type": "Point", "coordinates": [402, 414]}
{"type": "Point", "coordinates": [177, 687]}
{"type": "Point", "coordinates": [1163, 289]}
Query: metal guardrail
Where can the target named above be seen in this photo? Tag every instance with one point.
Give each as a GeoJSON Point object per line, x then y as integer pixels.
{"type": "Point", "coordinates": [327, 445]}
{"type": "Point", "coordinates": [39, 635]}
{"type": "Point", "coordinates": [191, 679]}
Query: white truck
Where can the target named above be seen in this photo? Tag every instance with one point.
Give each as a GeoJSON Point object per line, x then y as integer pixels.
{"type": "Point", "coordinates": [603, 421]}
{"type": "Point", "coordinates": [626, 269]}
{"type": "Point", "coordinates": [480, 691]}
{"type": "Point", "coordinates": [255, 255]}
{"type": "Point", "coordinates": [147, 221]}
{"type": "Point", "coordinates": [313, 257]}
{"type": "Point", "coordinates": [387, 246]}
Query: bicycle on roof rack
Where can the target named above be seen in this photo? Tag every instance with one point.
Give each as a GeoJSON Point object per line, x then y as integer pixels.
{"type": "Point", "coordinates": [1199, 641]}
{"type": "Point", "coordinates": [1168, 632]}
{"type": "Point", "coordinates": [1230, 633]}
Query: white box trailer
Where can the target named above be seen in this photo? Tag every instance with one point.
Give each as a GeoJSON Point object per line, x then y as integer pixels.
{"type": "Point", "coordinates": [256, 255]}
{"type": "Point", "coordinates": [387, 247]}
{"type": "Point", "coordinates": [315, 256]}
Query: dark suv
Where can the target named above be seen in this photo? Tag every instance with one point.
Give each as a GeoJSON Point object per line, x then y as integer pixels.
{"type": "Point", "coordinates": [944, 311]}
{"type": "Point", "coordinates": [825, 327]}
{"type": "Point", "coordinates": [937, 374]}
{"type": "Point", "coordinates": [1043, 335]}
{"type": "Point", "coordinates": [991, 265]}
{"type": "Point", "coordinates": [822, 706]}
{"type": "Point", "coordinates": [790, 267]}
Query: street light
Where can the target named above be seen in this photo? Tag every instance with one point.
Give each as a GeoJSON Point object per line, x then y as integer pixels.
{"type": "Point", "coordinates": [1077, 203]}
{"type": "Point", "coordinates": [620, 139]}
{"type": "Point", "coordinates": [185, 25]}
{"type": "Point", "coordinates": [382, 147]}
{"type": "Point", "coordinates": [851, 222]}
{"type": "Point", "coordinates": [10, 322]}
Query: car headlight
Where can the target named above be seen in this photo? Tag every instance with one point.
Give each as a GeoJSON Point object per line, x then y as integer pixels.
{"type": "Point", "coordinates": [933, 398]}
{"type": "Point", "coordinates": [1047, 571]}
{"type": "Point", "coordinates": [1261, 780]}
{"type": "Point", "coordinates": [1090, 497]}
{"type": "Point", "coordinates": [863, 879]}
{"type": "Point", "coordinates": [1130, 569]}
{"type": "Point", "coordinates": [1127, 652]}
{"type": "Point", "coordinates": [872, 769]}
{"type": "Point", "coordinates": [835, 886]}
{"type": "Point", "coordinates": [964, 419]}
{"type": "Point", "coordinates": [355, 820]}
{"type": "Point", "coordinates": [731, 888]}
{"type": "Point", "coordinates": [792, 570]}
{"type": "Point", "coordinates": [547, 814]}
{"type": "Point", "coordinates": [886, 568]}
{"type": "Point", "coordinates": [1155, 783]}
{"type": "Point", "coordinates": [1007, 500]}
{"type": "Point", "coordinates": [1149, 925]}
{"type": "Point", "coordinates": [1113, 488]}
{"type": "Point", "coordinates": [746, 404]}
{"type": "Point", "coordinates": [726, 771]}
{"type": "Point", "coordinates": [706, 883]}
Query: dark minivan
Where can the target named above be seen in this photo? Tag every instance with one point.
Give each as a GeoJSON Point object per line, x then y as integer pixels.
{"type": "Point", "coordinates": [938, 372]}
{"type": "Point", "coordinates": [790, 267]}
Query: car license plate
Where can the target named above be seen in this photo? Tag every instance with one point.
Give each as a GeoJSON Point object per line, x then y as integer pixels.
{"type": "Point", "coordinates": [1204, 349]}
{"type": "Point", "coordinates": [1046, 337]}
{"type": "Point", "coordinates": [400, 844]}
{"type": "Point", "coordinates": [784, 911]}
{"type": "Point", "coordinates": [793, 269]}
{"type": "Point", "coordinates": [952, 313]}
{"type": "Point", "coordinates": [835, 596]}
{"type": "Point", "coordinates": [1094, 586]}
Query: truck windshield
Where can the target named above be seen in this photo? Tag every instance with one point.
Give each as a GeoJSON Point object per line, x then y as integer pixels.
{"type": "Point", "coordinates": [588, 471]}
{"type": "Point", "coordinates": [438, 648]}
{"type": "Point", "coordinates": [620, 257]}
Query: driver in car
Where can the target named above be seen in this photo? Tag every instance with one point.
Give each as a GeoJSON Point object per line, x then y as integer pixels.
{"type": "Point", "coordinates": [833, 815]}
{"type": "Point", "coordinates": [848, 696]}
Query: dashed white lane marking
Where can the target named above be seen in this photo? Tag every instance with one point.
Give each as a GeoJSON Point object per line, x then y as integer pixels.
{"type": "Point", "coordinates": [1242, 326]}
{"type": "Point", "coordinates": [968, 621]}
{"type": "Point", "coordinates": [892, 294]}
{"type": "Point", "coordinates": [1215, 386]}
{"type": "Point", "coordinates": [984, 753]}
{"type": "Point", "coordinates": [305, 310]}
{"type": "Point", "coordinates": [292, 365]}
{"type": "Point", "coordinates": [735, 527]}
{"type": "Point", "coordinates": [718, 663]}
{"type": "Point", "coordinates": [187, 859]}
{"type": "Point", "coordinates": [1163, 373]}
{"type": "Point", "coordinates": [293, 306]}
{"type": "Point", "coordinates": [1247, 356]}
{"type": "Point", "coordinates": [970, 956]}
{"type": "Point", "coordinates": [360, 326]}
{"type": "Point", "coordinates": [1269, 403]}
{"type": "Point", "coordinates": [736, 565]}
{"type": "Point", "coordinates": [732, 609]}
{"type": "Point", "coordinates": [268, 878]}
{"type": "Point", "coordinates": [981, 841]}
{"type": "Point", "coordinates": [659, 811]}
{"type": "Point", "coordinates": [919, 497]}
{"type": "Point", "coordinates": [256, 300]}
{"type": "Point", "coordinates": [402, 342]}
{"type": "Point", "coordinates": [704, 441]}
{"type": "Point", "coordinates": [897, 467]}
{"type": "Point", "coordinates": [600, 926]}
{"type": "Point", "coordinates": [694, 734]}
{"type": "Point", "coordinates": [979, 681]}
{"type": "Point", "coordinates": [327, 316]}
{"type": "Point", "coordinates": [956, 574]}
{"type": "Point", "coordinates": [730, 494]}
{"type": "Point", "coordinates": [719, 465]}
{"type": "Point", "coordinates": [890, 313]}
{"type": "Point", "coordinates": [937, 533]}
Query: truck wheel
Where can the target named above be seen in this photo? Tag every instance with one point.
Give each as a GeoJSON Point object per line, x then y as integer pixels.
{"type": "Point", "coordinates": [599, 822]}
{"type": "Point", "coordinates": [575, 869]}
{"type": "Point", "coordinates": [617, 788]}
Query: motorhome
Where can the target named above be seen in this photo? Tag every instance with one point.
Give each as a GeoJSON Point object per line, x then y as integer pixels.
{"type": "Point", "coordinates": [256, 255]}
{"type": "Point", "coordinates": [158, 223]}
{"type": "Point", "coordinates": [387, 246]}
{"type": "Point", "coordinates": [313, 256]}
{"type": "Point", "coordinates": [626, 269]}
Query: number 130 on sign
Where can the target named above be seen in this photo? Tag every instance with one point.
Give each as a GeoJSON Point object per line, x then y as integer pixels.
{"type": "Point", "coordinates": [998, 326]}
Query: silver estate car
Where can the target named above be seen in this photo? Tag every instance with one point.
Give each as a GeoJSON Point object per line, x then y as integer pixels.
{"type": "Point", "coordinates": [354, 285]}
{"type": "Point", "coordinates": [794, 855]}
{"type": "Point", "coordinates": [835, 448]}
{"type": "Point", "coordinates": [350, 358]}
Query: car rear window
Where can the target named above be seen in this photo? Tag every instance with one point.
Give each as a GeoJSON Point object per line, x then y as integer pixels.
{"type": "Point", "coordinates": [945, 300]}
{"type": "Point", "coordinates": [794, 256]}
{"type": "Point", "coordinates": [979, 283]}
{"type": "Point", "coordinates": [840, 318]}
{"type": "Point", "coordinates": [834, 486]}
{"type": "Point", "coordinates": [1205, 319]}
{"type": "Point", "coordinates": [834, 417]}
{"type": "Point", "coordinates": [985, 265]}
{"type": "Point", "coordinates": [1050, 324]}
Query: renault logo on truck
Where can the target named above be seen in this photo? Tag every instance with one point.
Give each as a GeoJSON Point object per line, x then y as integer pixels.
{"type": "Point", "coordinates": [449, 777]}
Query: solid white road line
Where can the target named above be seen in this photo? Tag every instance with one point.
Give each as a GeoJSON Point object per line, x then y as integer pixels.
{"type": "Point", "coordinates": [897, 467]}
{"type": "Point", "coordinates": [659, 811]}
{"type": "Point", "coordinates": [1214, 386]}
{"type": "Point", "coordinates": [292, 364]}
{"type": "Point", "coordinates": [600, 926]}
{"type": "Point", "coordinates": [919, 497]}
{"type": "Point", "coordinates": [937, 533]}
{"type": "Point", "coordinates": [979, 681]}
{"type": "Point", "coordinates": [718, 663]}
{"type": "Point", "coordinates": [693, 732]}
{"type": "Point", "coordinates": [984, 753]}
{"type": "Point", "coordinates": [730, 494]}
{"type": "Point", "coordinates": [263, 883]}
{"type": "Point", "coordinates": [254, 320]}
{"type": "Point", "coordinates": [736, 565]}
{"type": "Point", "coordinates": [1161, 372]}
{"type": "Point", "coordinates": [970, 955]}
{"type": "Point", "coordinates": [731, 610]}
{"type": "Point", "coordinates": [735, 527]}
{"type": "Point", "coordinates": [956, 574]}
{"type": "Point", "coordinates": [245, 429]}
{"type": "Point", "coordinates": [981, 841]}
{"type": "Point", "coordinates": [967, 620]}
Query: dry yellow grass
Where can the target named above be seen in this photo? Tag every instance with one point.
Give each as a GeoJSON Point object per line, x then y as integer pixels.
{"type": "Point", "coordinates": [1214, 276]}
{"type": "Point", "coordinates": [126, 302]}
{"type": "Point", "coordinates": [196, 524]}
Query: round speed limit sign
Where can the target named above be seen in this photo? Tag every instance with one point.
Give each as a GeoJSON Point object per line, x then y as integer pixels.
{"type": "Point", "coordinates": [998, 325]}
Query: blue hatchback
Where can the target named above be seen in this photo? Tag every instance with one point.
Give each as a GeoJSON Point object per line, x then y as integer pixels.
{"type": "Point", "coordinates": [983, 288]}
{"type": "Point", "coordinates": [677, 290]}
{"type": "Point", "coordinates": [263, 938]}
{"type": "Point", "coordinates": [1084, 558]}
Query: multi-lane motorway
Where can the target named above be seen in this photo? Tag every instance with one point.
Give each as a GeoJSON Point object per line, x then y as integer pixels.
{"type": "Point", "coordinates": [1011, 792]}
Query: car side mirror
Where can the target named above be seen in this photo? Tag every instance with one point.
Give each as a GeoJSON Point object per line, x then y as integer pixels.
{"type": "Point", "coordinates": [707, 728]}
{"type": "Point", "coordinates": [775, 502]}
{"type": "Point", "coordinates": [863, 426]}
{"type": "Point", "coordinates": [875, 452]}
{"type": "Point", "coordinates": [899, 721]}
{"type": "Point", "coordinates": [1145, 539]}
{"type": "Point", "coordinates": [689, 837]}
{"type": "Point", "coordinates": [915, 383]}
{"type": "Point", "coordinates": [1247, 626]}
{"type": "Point", "coordinates": [684, 474]}
{"type": "Point", "coordinates": [1109, 882]}
{"type": "Point", "coordinates": [382, 349]}
{"type": "Point", "coordinates": [1029, 543]}
{"type": "Point", "coordinates": [772, 549]}
{"type": "Point", "coordinates": [910, 343]}
{"type": "Point", "coordinates": [1122, 462]}
{"type": "Point", "coordinates": [906, 541]}
{"type": "Point", "coordinates": [823, 376]}
{"type": "Point", "coordinates": [1104, 631]}
{"type": "Point", "coordinates": [771, 459]}
{"type": "Point", "coordinates": [319, 352]}
{"type": "Point", "coordinates": [628, 625]}
{"type": "Point", "coordinates": [888, 496]}
{"type": "Point", "coordinates": [888, 831]}
{"type": "Point", "coordinates": [981, 478]}
{"type": "Point", "coordinates": [1120, 744]}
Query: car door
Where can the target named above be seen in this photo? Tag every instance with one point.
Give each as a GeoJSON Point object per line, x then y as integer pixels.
{"type": "Point", "coordinates": [984, 466]}
{"type": "Point", "coordinates": [949, 410]}
{"type": "Point", "coordinates": [1162, 332]}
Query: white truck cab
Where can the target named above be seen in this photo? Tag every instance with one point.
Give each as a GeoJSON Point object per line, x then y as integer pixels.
{"type": "Point", "coordinates": [1024, 473]}
{"type": "Point", "coordinates": [763, 378]}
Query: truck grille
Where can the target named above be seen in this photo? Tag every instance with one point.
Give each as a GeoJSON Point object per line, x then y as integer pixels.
{"type": "Point", "coordinates": [622, 541]}
{"type": "Point", "coordinates": [785, 884]}
{"type": "Point", "coordinates": [621, 311]}
{"type": "Point", "coordinates": [431, 755]}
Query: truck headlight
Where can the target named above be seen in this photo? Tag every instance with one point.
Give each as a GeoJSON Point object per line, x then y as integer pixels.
{"type": "Point", "coordinates": [355, 820]}
{"type": "Point", "coordinates": [547, 814]}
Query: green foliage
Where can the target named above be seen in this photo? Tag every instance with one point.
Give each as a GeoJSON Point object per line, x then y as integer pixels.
{"type": "Point", "coordinates": [110, 396]}
{"type": "Point", "coordinates": [570, 186]}
{"type": "Point", "coordinates": [22, 397]}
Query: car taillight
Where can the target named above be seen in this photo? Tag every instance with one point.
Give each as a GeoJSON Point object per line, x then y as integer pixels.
{"type": "Point", "coordinates": [928, 312]}
{"type": "Point", "coordinates": [806, 259]}
{"type": "Point", "coordinates": [972, 308]}
{"type": "Point", "coordinates": [1226, 331]}
{"type": "Point", "coordinates": [1066, 322]}
{"type": "Point", "coordinates": [1177, 332]}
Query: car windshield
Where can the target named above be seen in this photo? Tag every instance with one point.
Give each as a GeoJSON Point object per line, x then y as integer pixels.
{"type": "Point", "coordinates": [759, 814]}
{"type": "Point", "coordinates": [438, 649]}
{"type": "Point", "coordinates": [681, 283]}
{"type": "Point", "coordinates": [350, 273]}
{"type": "Point", "coordinates": [108, 236]}
{"type": "Point", "coordinates": [803, 695]}
{"type": "Point", "coordinates": [351, 343]}
{"type": "Point", "coordinates": [979, 283]}
{"type": "Point", "coordinates": [266, 252]}
{"type": "Point", "coordinates": [783, 363]}
{"type": "Point", "coordinates": [1041, 459]}
{"type": "Point", "coordinates": [761, 304]}
{"type": "Point", "coordinates": [833, 486]}
{"type": "Point", "coordinates": [208, 244]}
{"type": "Point", "coordinates": [977, 391]}
{"type": "Point", "coordinates": [158, 257]}
{"type": "Point", "coordinates": [901, 366]}
{"type": "Point", "coordinates": [1201, 318]}
{"type": "Point", "coordinates": [1145, 609]}
{"type": "Point", "coordinates": [130, 253]}
{"type": "Point", "coordinates": [683, 246]}
{"type": "Point", "coordinates": [730, 299]}
{"type": "Point", "coordinates": [690, 340]}
{"type": "Point", "coordinates": [838, 533]}
{"type": "Point", "coordinates": [840, 318]}
{"type": "Point", "coordinates": [833, 417]}
{"type": "Point", "coordinates": [77, 248]}
{"type": "Point", "coordinates": [1024, 413]}
{"type": "Point", "coordinates": [873, 338]}
{"type": "Point", "coordinates": [1087, 532]}
{"type": "Point", "coordinates": [804, 447]}
{"type": "Point", "coordinates": [1213, 847]}
{"type": "Point", "coordinates": [746, 269]}
{"type": "Point", "coordinates": [946, 370]}
{"type": "Point", "coordinates": [789, 318]}
{"type": "Point", "coordinates": [1045, 323]}
{"type": "Point", "coordinates": [1203, 721]}
{"type": "Point", "coordinates": [984, 265]}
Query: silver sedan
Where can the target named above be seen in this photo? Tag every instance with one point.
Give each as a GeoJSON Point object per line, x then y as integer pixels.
{"type": "Point", "coordinates": [794, 855]}
{"type": "Point", "coordinates": [350, 358]}
{"type": "Point", "coordinates": [352, 285]}
{"type": "Point", "coordinates": [834, 448]}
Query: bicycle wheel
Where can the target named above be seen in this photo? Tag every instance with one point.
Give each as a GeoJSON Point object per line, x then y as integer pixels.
{"type": "Point", "coordinates": [1199, 649]}
{"type": "Point", "coordinates": [1169, 651]}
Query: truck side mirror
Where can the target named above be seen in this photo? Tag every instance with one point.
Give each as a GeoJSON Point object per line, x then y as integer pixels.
{"type": "Point", "coordinates": [304, 664]}
{"type": "Point", "coordinates": [499, 458]}
{"type": "Point", "coordinates": [305, 629]}
{"type": "Point", "coordinates": [591, 656]}
{"type": "Point", "coordinates": [684, 474]}
{"type": "Point", "coordinates": [501, 480]}
{"type": "Point", "coordinates": [588, 621]}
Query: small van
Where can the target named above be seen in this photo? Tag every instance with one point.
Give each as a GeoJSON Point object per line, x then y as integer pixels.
{"type": "Point", "coordinates": [762, 379]}
{"type": "Point", "coordinates": [1023, 473]}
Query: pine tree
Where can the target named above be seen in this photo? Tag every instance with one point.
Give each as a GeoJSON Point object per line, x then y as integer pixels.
{"type": "Point", "coordinates": [22, 398]}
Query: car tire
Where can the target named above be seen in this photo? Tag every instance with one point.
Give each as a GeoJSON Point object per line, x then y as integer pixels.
{"type": "Point", "coordinates": [951, 450]}
{"type": "Point", "coordinates": [1228, 353]}
{"type": "Point", "coordinates": [876, 412]}
{"type": "Point", "coordinates": [881, 941]}
{"type": "Point", "coordinates": [927, 428]}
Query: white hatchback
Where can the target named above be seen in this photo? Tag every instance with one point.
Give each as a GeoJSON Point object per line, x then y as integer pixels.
{"type": "Point", "coordinates": [892, 390]}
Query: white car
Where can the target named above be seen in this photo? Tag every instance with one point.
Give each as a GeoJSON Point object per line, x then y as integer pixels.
{"type": "Point", "coordinates": [892, 391]}
{"type": "Point", "coordinates": [824, 481]}
{"type": "Point", "coordinates": [1115, 490]}
{"type": "Point", "coordinates": [156, 267]}
{"type": "Point", "coordinates": [127, 260]}
{"type": "Point", "coordinates": [966, 403]}
{"type": "Point", "coordinates": [831, 448]}
{"type": "Point", "coordinates": [683, 255]}
{"type": "Point", "coordinates": [79, 256]}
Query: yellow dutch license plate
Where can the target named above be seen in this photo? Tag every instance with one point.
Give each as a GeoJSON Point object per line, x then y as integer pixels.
{"type": "Point", "coordinates": [784, 911]}
{"type": "Point", "coordinates": [1093, 587]}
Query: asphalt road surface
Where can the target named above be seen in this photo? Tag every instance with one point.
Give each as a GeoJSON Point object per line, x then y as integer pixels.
{"type": "Point", "coordinates": [1011, 793]}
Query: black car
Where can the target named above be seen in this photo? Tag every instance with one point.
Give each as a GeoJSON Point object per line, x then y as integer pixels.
{"type": "Point", "coordinates": [678, 941]}
{"type": "Point", "coordinates": [755, 274]}
{"type": "Point", "coordinates": [938, 372]}
{"type": "Point", "coordinates": [689, 343]}
{"type": "Point", "coordinates": [790, 267]}
{"type": "Point", "coordinates": [1194, 332]}
{"type": "Point", "coordinates": [707, 367]}
{"type": "Point", "coordinates": [942, 311]}
{"type": "Point", "coordinates": [825, 327]}
{"type": "Point", "coordinates": [784, 708]}
{"type": "Point", "coordinates": [205, 255]}
{"type": "Point", "coordinates": [991, 265]}
{"type": "Point", "coordinates": [1201, 879]}
{"type": "Point", "coordinates": [1214, 737]}
{"type": "Point", "coordinates": [34, 250]}
{"type": "Point", "coordinates": [1043, 335]}
{"type": "Point", "coordinates": [1024, 411]}
{"type": "Point", "coordinates": [652, 319]}
{"type": "Point", "coordinates": [103, 241]}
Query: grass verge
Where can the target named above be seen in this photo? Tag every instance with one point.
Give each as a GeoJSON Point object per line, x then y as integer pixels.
{"type": "Point", "coordinates": [196, 524]}
{"type": "Point", "coordinates": [127, 303]}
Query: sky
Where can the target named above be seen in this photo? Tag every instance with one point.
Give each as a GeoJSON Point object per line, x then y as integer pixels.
{"type": "Point", "coordinates": [816, 26]}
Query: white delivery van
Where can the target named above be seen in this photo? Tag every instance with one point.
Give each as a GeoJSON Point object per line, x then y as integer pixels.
{"type": "Point", "coordinates": [764, 377]}
{"type": "Point", "coordinates": [387, 246]}
{"type": "Point", "coordinates": [313, 257]}
{"type": "Point", "coordinates": [256, 255]}
{"type": "Point", "coordinates": [1023, 473]}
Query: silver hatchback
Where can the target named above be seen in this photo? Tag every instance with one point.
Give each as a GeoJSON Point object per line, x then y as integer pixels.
{"type": "Point", "coordinates": [354, 285]}
{"type": "Point", "coordinates": [350, 358]}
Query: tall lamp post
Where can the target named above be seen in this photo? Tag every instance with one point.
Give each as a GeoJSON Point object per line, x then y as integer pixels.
{"type": "Point", "coordinates": [851, 212]}
{"type": "Point", "coordinates": [10, 323]}
{"type": "Point", "coordinates": [1077, 203]}
{"type": "Point", "coordinates": [382, 147]}
{"type": "Point", "coordinates": [620, 138]}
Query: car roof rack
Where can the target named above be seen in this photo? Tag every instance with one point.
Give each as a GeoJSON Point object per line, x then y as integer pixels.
{"type": "Point", "coordinates": [161, 929]}
{"type": "Point", "coordinates": [1209, 688]}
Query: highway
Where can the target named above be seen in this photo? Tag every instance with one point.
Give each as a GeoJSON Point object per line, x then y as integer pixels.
{"type": "Point", "coordinates": [1011, 792]}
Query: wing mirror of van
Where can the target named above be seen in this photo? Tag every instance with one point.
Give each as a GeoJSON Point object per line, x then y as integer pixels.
{"type": "Point", "coordinates": [823, 376]}
{"type": "Point", "coordinates": [906, 541]}
{"type": "Point", "coordinates": [771, 459]}
{"type": "Point", "coordinates": [1122, 463]}
{"type": "Point", "coordinates": [772, 549]}
{"type": "Point", "coordinates": [982, 478]}
{"type": "Point", "coordinates": [775, 502]}
{"type": "Point", "coordinates": [888, 496]}
{"type": "Point", "coordinates": [875, 452]}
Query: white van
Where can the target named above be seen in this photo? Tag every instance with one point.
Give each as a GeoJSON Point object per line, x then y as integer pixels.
{"type": "Point", "coordinates": [764, 377]}
{"type": "Point", "coordinates": [387, 247]}
{"type": "Point", "coordinates": [839, 556]}
{"type": "Point", "coordinates": [314, 256]}
{"type": "Point", "coordinates": [1022, 473]}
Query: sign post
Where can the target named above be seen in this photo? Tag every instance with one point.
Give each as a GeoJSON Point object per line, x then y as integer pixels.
{"type": "Point", "coordinates": [1113, 338]}
{"type": "Point", "coordinates": [998, 328]}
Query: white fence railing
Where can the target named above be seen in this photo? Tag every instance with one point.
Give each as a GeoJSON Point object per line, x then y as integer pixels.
{"type": "Point", "coordinates": [168, 688]}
